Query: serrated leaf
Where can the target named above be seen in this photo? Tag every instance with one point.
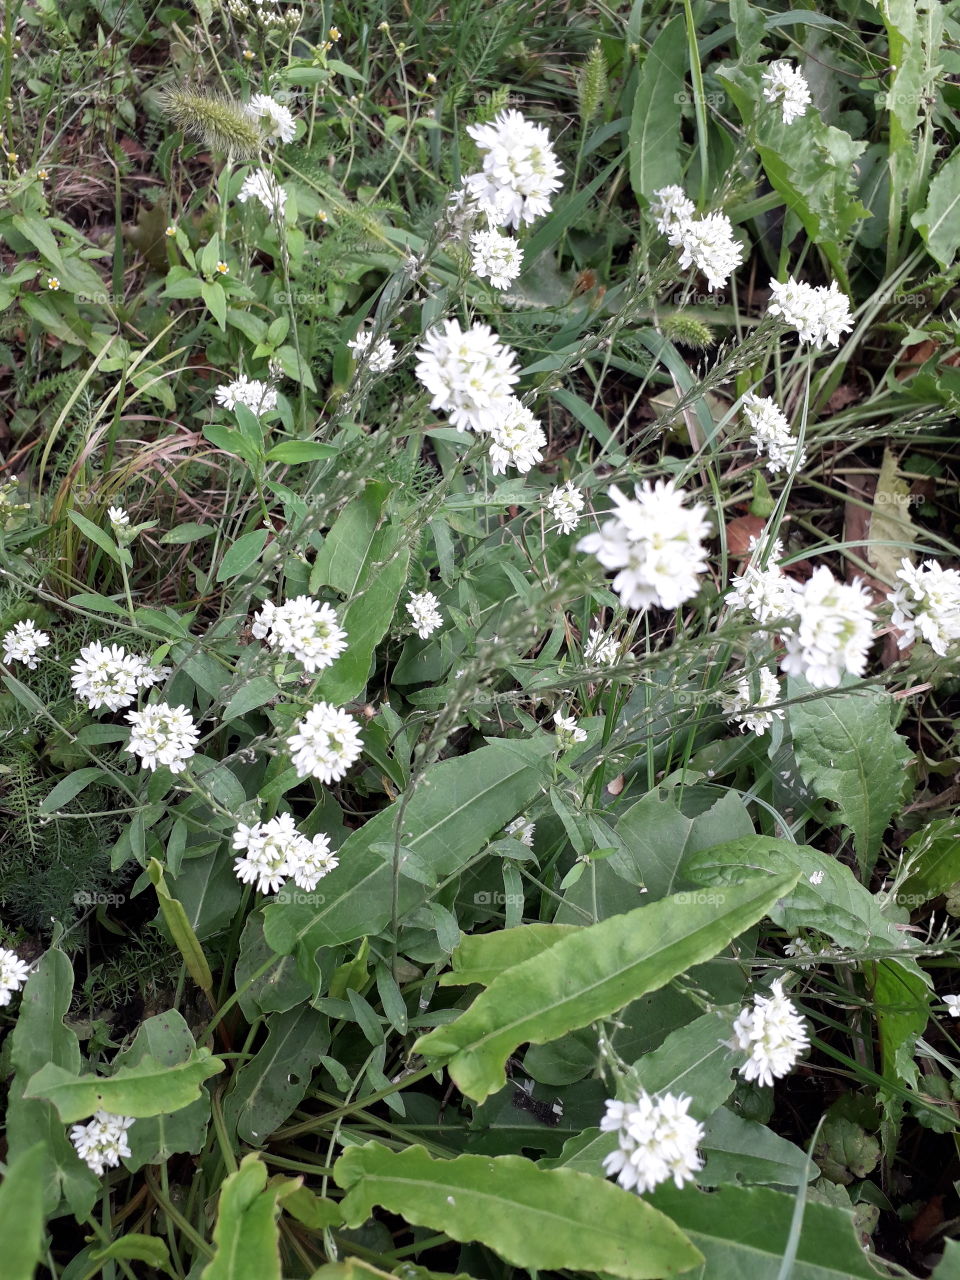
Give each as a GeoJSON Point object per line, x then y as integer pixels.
{"type": "Point", "coordinates": [537, 1219]}
{"type": "Point", "coordinates": [21, 1213]}
{"type": "Point", "coordinates": [147, 1088]}
{"type": "Point", "coordinates": [655, 122]}
{"type": "Point", "coordinates": [591, 974]}
{"type": "Point", "coordinates": [939, 221]}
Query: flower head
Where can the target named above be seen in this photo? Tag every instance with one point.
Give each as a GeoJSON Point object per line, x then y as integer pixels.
{"type": "Point", "coordinates": [304, 628]}
{"type": "Point", "coordinates": [118, 517]}
{"type": "Point", "coordinates": [655, 543]}
{"type": "Point", "coordinates": [520, 170]}
{"type": "Point", "coordinates": [261, 185]}
{"type": "Point", "coordinates": [13, 974]}
{"type": "Point", "coordinates": [772, 1032]}
{"type": "Point", "coordinates": [470, 374]}
{"type": "Point", "coordinates": [23, 642]}
{"type": "Point", "coordinates": [102, 1141]}
{"type": "Point", "coordinates": [928, 605]}
{"type": "Point", "coordinates": [752, 709]}
{"type": "Point", "coordinates": [766, 594]}
{"type": "Point", "coordinates": [832, 631]}
{"type": "Point", "coordinates": [670, 208]}
{"type": "Point", "coordinates": [276, 121]}
{"type": "Point", "coordinates": [325, 743]}
{"type": "Point", "coordinates": [818, 314]}
{"type": "Point", "coordinates": [953, 1005]}
{"type": "Point", "coordinates": [424, 610]}
{"type": "Point", "coordinates": [259, 397]}
{"type": "Point", "coordinates": [568, 731]}
{"type": "Point", "coordinates": [162, 735]}
{"type": "Point", "coordinates": [784, 83]}
{"type": "Point", "coordinates": [516, 440]}
{"type": "Point", "coordinates": [656, 1140]}
{"type": "Point", "coordinates": [379, 356]}
{"type": "Point", "coordinates": [771, 434]}
{"type": "Point", "coordinates": [496, 258]}
{"type": "Point", "coordinates": [275, 850]}
{"type": "Point", "coordinates": [565, 505]}
{"type": "Point", "coordinates": [708, 244]}
{"type": "Point", "coordinates": [108, 676]}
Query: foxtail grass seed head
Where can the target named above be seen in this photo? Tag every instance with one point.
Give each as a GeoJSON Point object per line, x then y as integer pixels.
{"type": "Point", "coordinates": [688, 331]}
{"type": "Point", "coordinates": [592, 84]}
{"type": "Point", "coordinates": [215, 120]}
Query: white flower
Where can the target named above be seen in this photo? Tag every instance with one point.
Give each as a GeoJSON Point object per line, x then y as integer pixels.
{"type": "Point", "coordinates": [424, 610]}
{"type": "Point", "coordinates": [601, 649]}
{"type": "Point", "coordinates": [520, 170]}
{"type": "Point", "coordinates": [656, 1140]}
{"type": "Point", "coordinates": [102, 1141]}
{"type": "Point", "coordinates": [516, 440]}
{"type": "Point", "coordinates": [751, 711]}
{"type": "Point", "coordinates": [117, 517]}
{"type": "Point", "coordinates": [784, 82]}
{"type": "Point", "coordinates": [928, 604]}
{"type": "Point", "coordinates": [275, 850]}
{"type": "Point", "coordinates": [260, 184]}
{"type": "Point", "coordinates": [303, 627]}
{"type": "Point", "coordinates": [276, 120]}
{"type": "Point", "coordinates": [655, 543]}
{"type": "Point", "coordinates": [800, 949]}
{"type": "Point", "coordinates": [496, 257]}
{"type": "Point", "coordinates": [325, 743]}
{"type": "Point", "coordinates": [818, 314]}
{"type": "Point", "coordinates": [313, 861]}
{"type": "Point", "coordinates": [521, 829]}
{"type": "Point", "coordinates": [23, 642]}
{"type": "Point", "coordinates": [708, 244]}
{"type": "Point", "coordinates": [772, 1033]}
{"type": "Point", "coordinates": [108, 676]}
{"type": "Point", "coordinates": [13, 974]}
{"type": "Point", "coordinates": [832, 631]}
{"type": "Point", "coordinates": [771, 434]}
{"type": "Point", "coordinates": [953, 1005]}
{"type": "Point", "coordinates": [258, 396]}
{"type": "Point", "coordinates": [671, 207]}
{"type": "Point", "coordinates": [161, 734]}
{"type": "Point", "coordinates": [380, 357]}
{"type": "Point", "coordinates": [470, 375]}
{"type": "Point", "coordinates": [766, 594]}
{"type": "Point", "coordinates": [565, 504]}
{"type": "Point", "coordinates": [568, 731]}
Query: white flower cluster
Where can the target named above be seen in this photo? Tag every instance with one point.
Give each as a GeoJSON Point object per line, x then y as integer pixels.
{"type": "Point", "coordinates": [671, 207]}
{"type": "Point", "coordinates": [325, 743]}
{"type": "Point", "coordinates": [784, 83]}
{"type": "Point", "coordinates": [424, 610]}
{"type": "Point", "coordinates": [23, 642]}
{"type": "Point", "coordinates": [521, 829]}
{"type": "Point", "coordinates": [105, 675]}
{"type": "Point", "coordinates": [470, 374]}
{"type": "Point", "coordinates": [754, 712]}
{"type": "Point", "coordinates": [928, 605]}
{"type": "Point", "coordinates": [767, 594]}
{"type": "Point", "coordinates": [818, 313]}
{"type": "Point", "coordinates": [655, 543]}
{"type": "Point", "coordinates": [601, 648]}
{"type": "Point", "coordinates": [259, 397]}
{"type": "Point", "coordinates": [275, 120]}
{"type": "Point", "coordinates": [771, 434]}
{"type": "Point", "coordinates": [496, 258]}
{"type": "Point", "coordinates": [162, 735]}
{"type": "Point", "coordinates": [102, 1142]}
{"type": "Point", "coordinates": [832, 630]}
{"type": "Point", "coordinates": [565, 505]}
{"type": "Point", "coordinates": [708, 244]}
{"type": "Point", "coordinates": [304, 628]}
{"type": "Point", "coordinates": [520, 170]}
{"type": "Point", "coordinates": [261, 185]}
{"type": "Point", "coordinates": [656, 1140]}
{"type": "Point", "coordinates": [381, 354]}
{"type": "Point", "coordinates": [275, 850]}
{"type": "Point", "coordinates": [772, 1032]}
{"type": "Point", "coordinates": [13, 974]}
{"type": "Point", "coordinates": [569, 732]}
{"type": "Point", "coordinates": [516, 439]}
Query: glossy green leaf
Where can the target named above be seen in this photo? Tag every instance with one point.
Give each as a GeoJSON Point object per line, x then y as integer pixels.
{"type": "Point", "coordinates": [148, 1088]}
{"type": "Point", "coordinates": [481, 957]}
{"type": "Point", "coordinates": [543, 1220]}
{"type": "Point", "coordinates": [589, 975]}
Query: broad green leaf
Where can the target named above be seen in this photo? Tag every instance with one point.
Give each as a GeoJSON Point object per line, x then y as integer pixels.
{"type": "Point", "coordinates": [21, 1213]}
{"type": "Point", "coordinates": [537, 1219]}
{"type": "Point", "coordinates": [181, 931]}
{"type": "Point", "coordinates": [293, 451]}
{"type": "Point", "coordinates": [137, 1248]}
{"type": "Point", "coordinates": [166, 1039]}
{"type": "Point", "coordinates": [148, 1088]}
{"type": "Point", "coordinates": [216, 299]}
{"type": "Point", "coordinates": [743, 1232]}
{"type": "Point", "coordinates": [939, 221]}
{"type": "Point", "coordinates": [280, 988]}
{"type": "Point", "coordinates": [242, 554]}
{"type": "Point", "coordinates": [230, 441]}
{"type": "Point", "coordinates": [890, 521]}
{"type": "Point", "coordinates": [481, 957]}
{"type": "Point", "coordinates": [267, 1088]}
{"type": "Point", "coordinates": [351, 1268]}
{"type": "Point", "coordinates": [457, 807]}
{"type": "Point", "coordinates": [901, 1005]}
{"type": "Point", "coordinates": [97, 536]}
{"type": "Point", "coordinates": [184, 533]}
{"type": "Point", "coordinates": [312, 1210]}
{"type": "Point", "coordinates": [25, 695]}
{"type": "Point", "coordinates": [247, 1236]}
{"type": "Point", "coordinates": [655, 124]}
{"type": "Point", "coordinates": [589, 975]}
{"type": "Point", "coordinates": [738, 1150]}
{"type": "Point", "coordinates": [948, 1268]}
{"type": "Point", "coordinates": [849, 754]}
{"type": "Point", "coordinates": [251, 695]}
{"type": "Point", "coordinates": [933, 855]}
{"type": "Point", "coordinates": [347, 550]}
{"type": "Point", "coordinates": [70, 786]}
{"type": "Point", "coordinates": [40, 1038]}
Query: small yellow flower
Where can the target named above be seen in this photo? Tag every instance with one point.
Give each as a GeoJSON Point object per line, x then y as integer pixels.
{"type": "Point", "coordinates": [321, 215]}
{"type": "Point", "coordinates": [171, 230]}
{"type": "Point", "coordinates": [249, 55]}
{"type": "Point", "coordinates": [13, 156]}
{"type": "Point", "coordinates": [43, 174]}
{"type": "Point", "coordinates": [53, 282]}
{"type": "Point", "coordinates": [334, 33]}
{"type": "Point", "coordinates": [222, 268]}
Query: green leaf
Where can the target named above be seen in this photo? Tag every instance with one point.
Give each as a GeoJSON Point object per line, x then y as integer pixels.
{"type": "Point", "coordinates": [692, 1060]}
{"type": "Point", "coordinates": [216, 300]}
{"type": "Point", "coordinates": [68, 787]}
{"type": "Point", "coordinates": [344, 558]}
{"type": "Point", "coordinates": [231, 441]}
{"type": "Point", "coordinates": [589, 975]}
{"type": "Point", "coordinates": [267, 1088]}
{"type": "Point", "coordinates": [251, 695]}
{"type": "Point", "coordinates": [948, 1268]}
{"type": "Point", "coordinates": [901, 1005]}
{"type": "Point", "coordinates": [457, 807]}
{"type": "Point", "coordinates": [21, 1213]}
{"type": "Point", "coordinates": [939, 221]}
{"type": "Point", "coordinates": [743, 1151]}
{"type": "Point", "coordinates": [481, 957]}
{"type": "Point", "coordinates": [312, 1210]}
{"type": "Point", "coordinates": [97, 535]}
{"type": "Point", "coordinates": [933, 856]}
{"type": "Point", "coordinates": [890, 521]}
{"type": "Point", "coordinates": [92, 600]}
{"type": "Point", "coordinates": [244, 552]}
{"type": "Point", "coordinates": [25, 695]}
{"type": "Point", "coordinates": [849, 753]}
{"type": "Point", "coordinates": [137, 1248]}
{"type": "Point", "coordinates": [181, 931]}
{"type": "Point", "coordinates": [247, 1235]}
{"type": "Point", "coordinates": [541, 1220]}
{"type": "Point", "coordinates": [184, 533]}
{"type": "Point", "coordinates": [148, 1088]}
{"type": "Point", "coordinates": [743, 1232]}
{"type": "Point", "coordinates": [655, 122]}
{"type": "Point", "coordinates": [293, 451]}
